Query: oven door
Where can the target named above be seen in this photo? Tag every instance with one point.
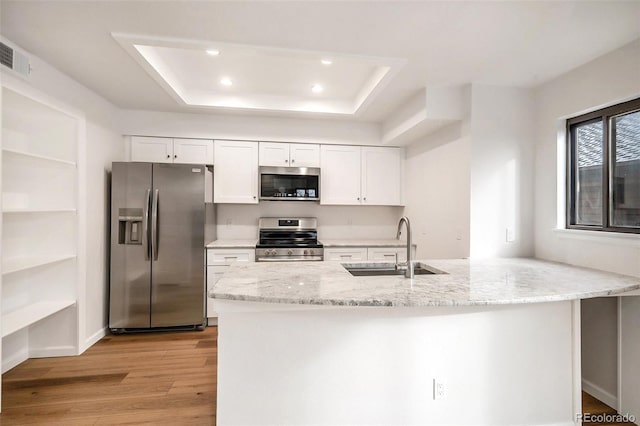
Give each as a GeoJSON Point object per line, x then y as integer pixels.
{"type": "Point", "coordinates": [289, 183]}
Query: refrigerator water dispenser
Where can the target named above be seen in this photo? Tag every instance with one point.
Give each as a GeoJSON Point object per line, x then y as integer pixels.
{"type": "Point", "coordinates": [130, 226]}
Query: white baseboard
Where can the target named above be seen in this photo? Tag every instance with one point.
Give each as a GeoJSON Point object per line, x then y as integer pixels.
{"type": "Point", "coordinates": [93, 339]}
{"type": "Point", "coordinates": [599, 393]}
{"type": "Point", "coordinates": [52, 351]}
{"type": "Point", "coordinates": [13, 360]}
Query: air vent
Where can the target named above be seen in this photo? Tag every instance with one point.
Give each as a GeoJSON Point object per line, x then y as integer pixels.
{"type": "Point", "coordinates": [6, 55]}
{"type": "Point", "coordinates": [14, 60]}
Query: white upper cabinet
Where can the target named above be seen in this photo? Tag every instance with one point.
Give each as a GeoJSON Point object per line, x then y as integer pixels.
{"type": "Point", "coordinates": [235, 173]}
{"type": "Point", "coordinates": [289, 154]}
{"type": "Point", "coordinates": [168, 150]}
{"type": "Point", "coordinates": [154, 150]}
{"type": "Point", "coordinates": [339, 174]}
{"type": "Point", "coordinates": [382, 176]}
{"type": "Point", "coordinates": [193, 151]}
{"type": "Point", "coordinates": [304, 155]}
{"type": "Point", "coordinates": [361, 175]}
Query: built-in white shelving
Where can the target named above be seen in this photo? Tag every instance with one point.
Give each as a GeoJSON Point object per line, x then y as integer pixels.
{"type": "Point", "coordinates": [42, 267]}
{"type": "Point", "coordinates": [30, 314]}
{"type": "Point", "coordinates": [38, 157]}
{"type": "Point", "coordinates": [9, 266]}
{"type": "Point", "coordinates": [39, 211]}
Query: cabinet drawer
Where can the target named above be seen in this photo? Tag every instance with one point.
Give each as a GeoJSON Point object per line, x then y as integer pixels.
{"type": "Point", "coordinates": [345, 254]}
{"type": "Point", "coordinates": [228, 256]}
{"type": "Point", "coordinates": [388, 254]}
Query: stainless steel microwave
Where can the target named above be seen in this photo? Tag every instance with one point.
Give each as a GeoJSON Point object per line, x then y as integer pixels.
{"type": "Point", "coordinates": [289, 183]}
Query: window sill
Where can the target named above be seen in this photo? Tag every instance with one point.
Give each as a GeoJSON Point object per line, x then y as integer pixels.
{"type": "Point", "coordinates": [614, 238]}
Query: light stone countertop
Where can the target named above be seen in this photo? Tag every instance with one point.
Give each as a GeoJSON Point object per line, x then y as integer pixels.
{"type": "Point", "coordinates": [232, 244]}
{"type": "Point", "coordinates": [467, 282]}
{"type": "Point", "coordinates": [364, 243]}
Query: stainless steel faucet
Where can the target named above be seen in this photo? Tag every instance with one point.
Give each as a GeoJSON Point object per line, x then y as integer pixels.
{"type": "Point", "coordinates": [409, 272]}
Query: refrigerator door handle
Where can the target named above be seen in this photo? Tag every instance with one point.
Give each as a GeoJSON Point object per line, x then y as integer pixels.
{"type": "Point", "coordinates": [145, 223]}
{"type": "Point", "coordinates": [154, 225]}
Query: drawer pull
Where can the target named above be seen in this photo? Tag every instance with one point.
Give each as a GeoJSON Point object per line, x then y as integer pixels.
{"type": "Point", "coordinates": [230, 257]}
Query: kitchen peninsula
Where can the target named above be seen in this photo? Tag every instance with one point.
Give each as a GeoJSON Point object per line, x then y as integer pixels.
{"type": "Point", "coordinates": [311, 344]}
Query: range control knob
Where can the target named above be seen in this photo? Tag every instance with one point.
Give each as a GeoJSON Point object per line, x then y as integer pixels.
{"type": "Point", "coordinates": [274, 252]}
{"type": "Point", "coordinates": [289, 252]}
{"type": "Point", "coordinates": [311, 252]}
{"type": "Point", "coordinates": [306, 252]}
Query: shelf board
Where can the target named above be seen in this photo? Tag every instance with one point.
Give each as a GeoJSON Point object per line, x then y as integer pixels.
{"type": "Point", "coordinates": [30, 314]}
{"type": "Point", "coordinates": [39, 157]}
{"type": "Point", "coordinates": [39, 211]}
{"type": "Point", "coordinates": [16, 264]}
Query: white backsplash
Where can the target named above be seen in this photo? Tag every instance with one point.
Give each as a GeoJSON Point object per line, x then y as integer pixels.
{"type": "Point", "coordinates": [240, 221]}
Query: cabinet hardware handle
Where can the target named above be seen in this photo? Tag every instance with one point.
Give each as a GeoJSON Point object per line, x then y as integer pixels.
{"type": "Point", "coordinates": [175, 156]}
{"type": "Point", "coordinates": [293, 161]}
{"type": "Point", "coordinates": [168, 156]}
{"type": "Point", "coordinates": [254, 197]}
{"type": "Point", "coordinates": [365, 198]}
{"type": "Point", "coordinates": [358, 198]}
{"type": "Point", "coordinates": [286, 161]}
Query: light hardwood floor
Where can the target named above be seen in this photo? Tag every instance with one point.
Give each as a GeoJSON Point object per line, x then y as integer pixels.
{"type": "Point", "coordinates": [151, 378]}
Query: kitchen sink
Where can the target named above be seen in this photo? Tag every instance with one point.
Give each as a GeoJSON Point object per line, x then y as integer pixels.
{"type": "Point", "coordinates": [376, 269]}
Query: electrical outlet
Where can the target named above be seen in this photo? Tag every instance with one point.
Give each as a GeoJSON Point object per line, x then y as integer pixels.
{"type": "Point", "coordinates": [439, 389]}
{"type": "Point", "coordinates": [510, 235]}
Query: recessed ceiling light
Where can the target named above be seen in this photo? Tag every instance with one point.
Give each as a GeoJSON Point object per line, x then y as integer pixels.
{"type": "Point", "coordinates": [316, 88]}
{"type": "Point", "coordinates": [213, 52]}
{"type": "Point", "coordinates": [326, 61]}
{"type": "Point", "coordinates": [226, 81]}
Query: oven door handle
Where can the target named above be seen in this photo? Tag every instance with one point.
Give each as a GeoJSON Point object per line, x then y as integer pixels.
{"type": "Point", "coordinates": [285, 259]}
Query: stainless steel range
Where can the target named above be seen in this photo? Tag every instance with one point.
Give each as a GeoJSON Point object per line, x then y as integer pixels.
{"type": "Point", "coordinates": [288, 239]}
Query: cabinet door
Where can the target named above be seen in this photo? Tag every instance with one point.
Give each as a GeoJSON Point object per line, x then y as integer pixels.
{"type": "Point", "coordinates": [304, 155]}
{"type": "Point", "coordinates": [340, 174]}
{"type": "Point", "coordinates": [345, 254]}
{"type": "Point", "coordinates": [235, 173]}
{"type": "Point", "coordinates": [152, 150]}
{"type": "Point", "coordinates": [193, 151]}
{"type": "Point", "coordinates": [382, 176]}
{"type": "Point", "coordinates": [274, 154]}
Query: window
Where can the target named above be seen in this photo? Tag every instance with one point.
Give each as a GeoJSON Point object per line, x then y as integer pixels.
{"type": "Point", "coordinates": [603, 169]}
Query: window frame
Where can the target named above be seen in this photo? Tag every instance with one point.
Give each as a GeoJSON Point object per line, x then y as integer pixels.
{"type": "Point", "coordinates": [602, 115]}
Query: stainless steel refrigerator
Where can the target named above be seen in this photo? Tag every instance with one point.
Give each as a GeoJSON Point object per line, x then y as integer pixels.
{"type": "Point", "coordinates": [157, 246]}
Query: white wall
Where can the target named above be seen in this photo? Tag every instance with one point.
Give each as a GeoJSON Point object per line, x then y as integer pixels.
{"type": "Point", "coordinates": [240, 221]}
{"type": "Point", "coordinates": [629, 355]}
{"type": "Point", "coordinates": [607, 80]}
{"type": "Point", "coordinates": [437, 190]}
{"type": "Point", "coordinates": [104, 144]}
{"type": "Point", "coordinates": [501, 171]}
{"type": "Point", "coordinates": [247, 127]}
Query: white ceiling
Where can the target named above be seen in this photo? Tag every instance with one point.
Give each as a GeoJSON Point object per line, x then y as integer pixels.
{"type": "Point", "coordinates": [260, 77]}
{"type": "Point", "coordinates": [443, 42]}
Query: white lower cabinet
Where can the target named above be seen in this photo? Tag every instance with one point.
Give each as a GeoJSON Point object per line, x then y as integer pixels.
{"type": "Point", "coordinates": [218, 262]}
{"type": "Point", "coordinates": [378, 254]}
{"type": "Point", "coordinates": [345, 254]}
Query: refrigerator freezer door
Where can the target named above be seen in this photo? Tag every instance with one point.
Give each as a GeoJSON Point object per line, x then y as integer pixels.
{"type": "Point", "coordinates": [130, 268]}
{"type": "Point", "coordinates": [177, 284]}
